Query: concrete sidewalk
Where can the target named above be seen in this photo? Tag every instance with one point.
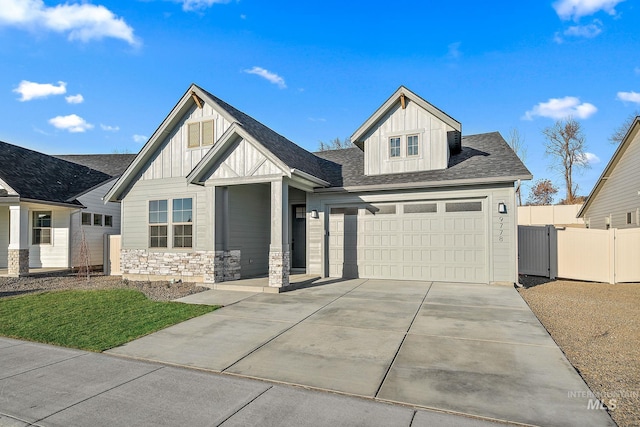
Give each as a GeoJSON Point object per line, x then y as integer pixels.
{"type": "Point", "coordinates": [458, 347]}
{"type": "Point", "coordinates": [42, 385]}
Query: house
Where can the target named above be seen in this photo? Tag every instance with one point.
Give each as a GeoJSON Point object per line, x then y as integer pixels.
{"type": "Point", "coordinates": [47, 205]}
{"type": "Point", "coordinates": [614, 201]}
{"type": "Point", "coordinates": [215, 195]}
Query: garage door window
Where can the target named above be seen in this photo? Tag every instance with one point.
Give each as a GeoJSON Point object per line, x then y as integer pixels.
{"type": "Point", "coordinates": [421, 208]}
{"type": "Point", "coordinates": [384, 210]}
{"type": "Point", "coordinates": [464, 207]}
{"type": "Point", "coordinates": [344, 211]}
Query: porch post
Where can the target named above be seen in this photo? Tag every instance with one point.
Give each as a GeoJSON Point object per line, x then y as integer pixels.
{"type": "Point", "coordinates": [18, 257]}
{"type": "Point", "coordinates": [279, 248]}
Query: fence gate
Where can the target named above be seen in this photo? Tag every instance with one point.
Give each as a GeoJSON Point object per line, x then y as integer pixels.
{"type": "Point", "coordinates": [538, 251]}
{"type": "Point", "coordinates": [112, 255]}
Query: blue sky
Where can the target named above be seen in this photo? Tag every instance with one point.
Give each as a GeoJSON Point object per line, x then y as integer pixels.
{"type": "Point", "coordinates": [99, 76]}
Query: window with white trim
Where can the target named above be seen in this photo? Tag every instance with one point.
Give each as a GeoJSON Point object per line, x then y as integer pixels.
{"type": "Point", "coordinates": [394, 147]}
{"type": "Point", "coordinates": [182, 221]}
{"type": "Point", "coordinates": [86, 218]}
{"type": "Point", "coordinates": [108, 221]}
{"type": "Point", "coordinates": [412, 145]}
{"type": "Point", "coordinates": [97, 220]}
{"type": "Point", "coordinates": [41, 228]}
{"type": "Point", "coordinates": [158, 219]}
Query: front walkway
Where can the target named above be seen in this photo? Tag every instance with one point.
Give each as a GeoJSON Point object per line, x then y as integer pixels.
{"type": "Point", "coordinates": [464, 348]}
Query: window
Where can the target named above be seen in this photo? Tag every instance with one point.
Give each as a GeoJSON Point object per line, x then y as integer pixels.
{"type": "Point", "coordinates": [86, 218]}
{"type": "Point", "coordinates": [108, 221]}
{"type": "Point", "coordinates": [384, 209]}
{"type": "Point", "coordinates": [394, 147]}
{"type": "Point", "coordinates": [182, 223]}
{"type": "Point", "coordinates": [200, 134]}
{"type": "Point", "coordinates": [421, 208]}
{"type": "Point", "coordinates": [628, 217]}
{"type": "Point", "coordinates": [97, 220]}
{"type": "Point", "coordinates": [463, 207]}
{"type": "Point", "coordinates": [412, 145]}
{"type": "Point", "coordinates": [158, 223]}
{"type": "Point", "coordinates": [301, 212]}
{"type": "Point", "coordinates": [41, 227]}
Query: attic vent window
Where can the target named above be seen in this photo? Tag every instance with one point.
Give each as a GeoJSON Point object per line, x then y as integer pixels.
{"type": "Point", "coordinates": [200, 134]}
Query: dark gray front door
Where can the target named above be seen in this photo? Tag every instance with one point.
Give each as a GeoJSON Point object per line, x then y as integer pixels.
{"type": "Point", "coordinates": [299, 237]}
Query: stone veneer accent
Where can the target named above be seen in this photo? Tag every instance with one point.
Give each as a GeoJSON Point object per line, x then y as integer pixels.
{"type": "Point", "coordinates": [279, 269]}
{"type": "Point", "coordinates": [18, 262]}
{"type": "Point", "coordinates": [198, 266]}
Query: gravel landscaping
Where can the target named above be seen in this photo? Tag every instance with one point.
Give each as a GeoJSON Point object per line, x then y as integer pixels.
{"type": "Point", "coordinates": [597, 326]}
{"type": "Point", "coordinates": [157, 291]}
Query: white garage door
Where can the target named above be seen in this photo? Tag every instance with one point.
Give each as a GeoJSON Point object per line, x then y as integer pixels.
{"type": "Point", "coordinates": [431, 240]}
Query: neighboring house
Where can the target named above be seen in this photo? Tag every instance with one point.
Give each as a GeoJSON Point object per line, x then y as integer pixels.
{"type": "Point", "coordinates": [215, 195]}
{"type": "Point", "coordinates": [614, 202]}
{"type": "Point", "coordinates": [47, 203]}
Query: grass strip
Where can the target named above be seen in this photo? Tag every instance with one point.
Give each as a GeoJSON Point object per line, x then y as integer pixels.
{"type": "Point", "coordinates": [94, 320]}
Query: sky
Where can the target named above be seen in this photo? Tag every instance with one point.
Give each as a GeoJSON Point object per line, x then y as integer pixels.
{"type": "Point", "coordinates": [100, 76]}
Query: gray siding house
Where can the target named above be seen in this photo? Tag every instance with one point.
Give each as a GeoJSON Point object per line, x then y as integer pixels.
{"type": "Point", "coordinates": [614, 201]}
{"type": "Point", "coordinates": [50, 207]}
{"type": "Point", "coordinates": [215, 195]}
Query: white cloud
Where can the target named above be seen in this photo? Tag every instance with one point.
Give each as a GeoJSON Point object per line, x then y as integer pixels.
{"type": "Point", "coordinates": [629, 97]}
{"type": "Point", "coordinates": [31, 90]}
{"type": "Point", "coordinates": [72, 123]}
{"type": "Point", "coordinates": [268, 75]}
{"type": "Point", "coordinates": [75, 99]}
{"type": "Point", "coordinates": [589, 159]}
{"type": "Point", "coordinates": [83, 21]}
{"type": "Point", "coordinates": [191, 5]}
{"type": "Point", "coordinates": [140, 139]}
{"type": "Point", "coordinates": [108, 128]}
{"type": "Point", "coordinates": [560, 108]}
{"type": "Point", "coordinates": [588, 31]}
{"type": "Point", "coordinates": [575, 9]}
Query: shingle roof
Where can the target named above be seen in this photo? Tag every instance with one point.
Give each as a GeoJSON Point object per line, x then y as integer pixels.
{"type": "Point", "coordinates": [290, 153]}
{"type": "Point", "coordinates": [111, 164]}
{"type": "Point", "coordinates": [484, 157]}
{"type": "Point", "coordinates": [38, 176]}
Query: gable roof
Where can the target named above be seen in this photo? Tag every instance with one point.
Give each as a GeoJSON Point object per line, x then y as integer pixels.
{"type": "Point", "coordinates": [615, 159]}
{"type": "Point", "coordinates": [40, 177]}
{"type": "Point", "coordinates": [484, 158]}
{"type": "Point", "coordinates": [111, 164]}
{"type": "Point", "coordinates": [394, 99]}
{"type": "Point", "coordinates": [292, 155]}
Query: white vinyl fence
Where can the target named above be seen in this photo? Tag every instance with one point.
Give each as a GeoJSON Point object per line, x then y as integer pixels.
{"type": "Point", "coordinates": [609, 256]}
{"type": "Point", "coordinates": [547, 215]}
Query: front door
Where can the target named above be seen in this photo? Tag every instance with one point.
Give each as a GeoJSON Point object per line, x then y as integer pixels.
{"type": "Point", "coordinates": [299, 237]}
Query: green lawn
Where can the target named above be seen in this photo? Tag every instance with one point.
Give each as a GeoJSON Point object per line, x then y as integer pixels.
{"type": "Point", "coordinates": [90, 320]}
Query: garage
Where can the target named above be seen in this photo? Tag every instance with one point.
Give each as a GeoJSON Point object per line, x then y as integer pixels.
{"type": "Point", "coordinates": [439, 240]}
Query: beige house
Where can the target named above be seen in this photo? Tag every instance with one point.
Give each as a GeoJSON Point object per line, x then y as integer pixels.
{"type": "Point", "coordinates": [614, 202]}
{"type": "Point", "coordinates": [51, 208]}
{"type": "Point", "coordinates": [215, 195]}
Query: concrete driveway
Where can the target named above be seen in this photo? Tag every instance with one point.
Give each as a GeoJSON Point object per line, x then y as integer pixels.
{"type": "Point", "coordinates": [464, 348]}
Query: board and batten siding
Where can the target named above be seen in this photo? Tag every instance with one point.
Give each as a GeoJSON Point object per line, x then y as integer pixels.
{"type": "Point", "coordinates": [501, 247]}
{"type": "Point", "coordinates": [94, 235]}
{"type": "Point", "coordinates": [4, 236]}
{"type": "Point", "coordinates": [174, 159]}
{"type": "Point", "coordinates": [57, 253]}
{"type": "Point", "coordinates": [620, 193]}
{"type": "Point", "coordinates": [250, 226]}
{"type": "Point", "coordinates": [135, 211]}
{"type": "Point", "coordinates": [433, 149]}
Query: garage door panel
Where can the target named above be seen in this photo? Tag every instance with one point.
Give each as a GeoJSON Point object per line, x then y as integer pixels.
{"type": "Point", "coordinates": [428, 245]}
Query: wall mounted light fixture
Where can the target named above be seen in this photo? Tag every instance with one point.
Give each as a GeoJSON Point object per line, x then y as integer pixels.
{"type": "Point", "coordinates": [314, 214]}
{"type": "Point", "coordinates": [502, 208]}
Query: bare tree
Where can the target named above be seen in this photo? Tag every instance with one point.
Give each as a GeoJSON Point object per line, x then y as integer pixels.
{"type": "Point", "coordinates": [335, 144]}
{"type": "Point", "coordinates": [542, 193]}
{"type": "Point", "coordinates": [566, 144]}
{"type": "Point", "coordinates": [516, 142]}
{"type": "Point", "coordinates": [619, 133]}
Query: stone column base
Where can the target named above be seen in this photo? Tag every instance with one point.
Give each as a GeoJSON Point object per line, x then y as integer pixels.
{"type": "Point", "coordinates": [279, 269]}
{"type": "Point", "coordinates": [18, 262]}
{"type": "Point", "coordinates": [226, 266]}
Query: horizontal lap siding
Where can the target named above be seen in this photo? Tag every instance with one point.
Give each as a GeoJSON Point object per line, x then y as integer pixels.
{"type": "Point", "coordinates": [135, 227]}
